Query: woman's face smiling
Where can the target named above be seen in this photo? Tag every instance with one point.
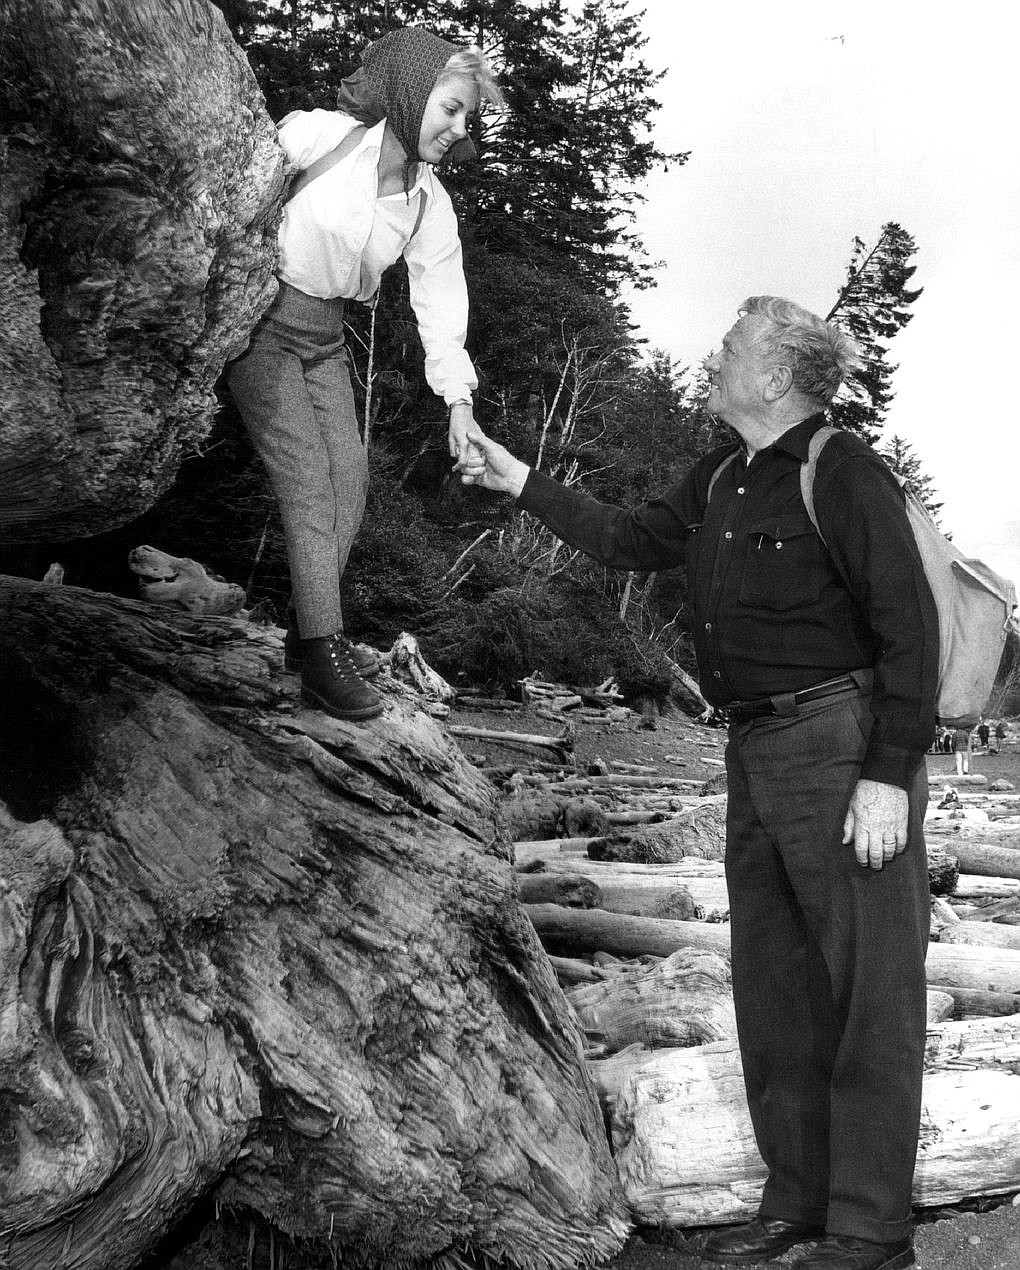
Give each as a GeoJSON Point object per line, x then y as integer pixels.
{"type": "Point", "coordinates": [446, 114]}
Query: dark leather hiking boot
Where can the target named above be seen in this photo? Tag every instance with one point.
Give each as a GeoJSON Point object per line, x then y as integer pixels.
{"type": "Point", "coordinates": [367, 662]}
{"type": "Point", "coordinates": [330, 680]}
{"type": "Point", "coordinates": [762, 1239]}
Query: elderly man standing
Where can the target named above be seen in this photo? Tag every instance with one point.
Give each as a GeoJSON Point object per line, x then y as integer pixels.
{"type": "Point", "coordinates": [824, 651]}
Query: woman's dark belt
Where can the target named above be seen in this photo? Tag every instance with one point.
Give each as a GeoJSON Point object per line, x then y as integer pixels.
{"type": "Point", "coordinates": [788, 703]}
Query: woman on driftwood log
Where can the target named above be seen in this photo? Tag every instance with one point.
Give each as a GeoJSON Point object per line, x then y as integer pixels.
{"type": "Point", "coordinates": [366, 194]}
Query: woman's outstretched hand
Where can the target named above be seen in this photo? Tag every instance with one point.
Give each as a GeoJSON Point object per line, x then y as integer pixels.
{"type": "Point", "coordinates": [490, 465]}
{"type": "Point", "coordinates": [462, 423]}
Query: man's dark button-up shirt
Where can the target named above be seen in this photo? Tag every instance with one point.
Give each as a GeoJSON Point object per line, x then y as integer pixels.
{"type": "Point", "coordinates": [777, 609]}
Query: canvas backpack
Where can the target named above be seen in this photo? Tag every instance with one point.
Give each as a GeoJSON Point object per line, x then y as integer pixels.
{"type": "Point", "coordinates": [976, 607]}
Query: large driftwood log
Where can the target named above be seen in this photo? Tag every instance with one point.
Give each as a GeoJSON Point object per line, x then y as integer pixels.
{"type": "Point", "coordinates": [685, 1148]}
{"type": "Point", "coordinates": [984, 858]}
{"type": "Point", "coordinates": [973, 1003]}
{"type": "Point", "coordinates": [698, 831]}
{"type": "Point", "coordinates": [623, 885]}
{"type": "Point", "coordinates": [569, 889]}
{"type": "Point", "coordinates": [561, 745]}
{"type": "Point", "coordinates": [989, 934]}
{"type": "Point", "coordinates": [527, 854]}
{"type": "Point", "coordinates": [140, 181]}
{"type": "Point", "coordinates": [570, 932]}
{"type": "Point", "coordinates": [247, 947]}
{"type": "Point", "coordinates": [685, 690]}
{"type": "Point", "coordinates": [685, 999]}
{"type": "Point", "coordinates": [975, 886]}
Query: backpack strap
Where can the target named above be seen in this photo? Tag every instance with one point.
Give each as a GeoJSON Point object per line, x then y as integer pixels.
{"type": "Point", "coordinates": [717, 473]}
{"type": "Point", "coordinates": [325, 161]}
{"type": "Point", "coordinates": [423, 198]}
{"type": "Point", "coordinates": [807, 474]}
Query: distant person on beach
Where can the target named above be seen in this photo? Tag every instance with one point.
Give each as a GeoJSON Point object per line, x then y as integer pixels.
{"type": "Point", "coordinates": [962, 748]}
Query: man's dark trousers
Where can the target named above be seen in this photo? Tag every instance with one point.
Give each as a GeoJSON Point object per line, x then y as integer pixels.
{"type": "Point", "coordinates": [828, 973]}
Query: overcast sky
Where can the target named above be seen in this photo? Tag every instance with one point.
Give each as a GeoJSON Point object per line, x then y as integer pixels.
{"type": "Point", "coordinates": [810, 123]}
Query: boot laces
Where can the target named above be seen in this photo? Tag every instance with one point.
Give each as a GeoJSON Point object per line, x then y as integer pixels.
{"type": "Point", "coordinates": [340, 656]}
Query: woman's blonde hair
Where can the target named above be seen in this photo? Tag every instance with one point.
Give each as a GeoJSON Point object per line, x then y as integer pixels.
{"type": "Point", "coordinates": [472, 63]}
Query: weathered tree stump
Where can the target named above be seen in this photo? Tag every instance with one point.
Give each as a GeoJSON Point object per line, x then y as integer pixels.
{"type": "Point", "coordinates": [943, 871]}
{"type": "Point", "coordinates": [568, 889]}
{"type": "Point", "coordinates": [249, 947]}
{"type": "Point", "coordinates": [698, 831]}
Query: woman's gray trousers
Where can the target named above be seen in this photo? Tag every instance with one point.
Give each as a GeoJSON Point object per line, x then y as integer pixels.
{"type": "Point", "coordinates": [293, 390]}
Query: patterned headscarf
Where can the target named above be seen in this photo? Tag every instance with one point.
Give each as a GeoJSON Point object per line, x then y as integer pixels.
{"type": "Point", "coordinates": [396, 76]}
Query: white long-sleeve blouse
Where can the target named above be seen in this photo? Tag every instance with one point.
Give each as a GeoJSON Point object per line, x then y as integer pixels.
{"type": "Point", "coordinates": [337, 236]}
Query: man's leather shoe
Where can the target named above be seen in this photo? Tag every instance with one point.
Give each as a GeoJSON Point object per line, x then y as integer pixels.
{"type": "Point", "coordinates": [758, 1240]}
{"type": "Point", "coordinates": [844, 1252]}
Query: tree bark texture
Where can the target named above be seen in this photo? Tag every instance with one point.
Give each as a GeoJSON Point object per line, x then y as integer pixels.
{"type": "Point", "coordinates": [683, 1000]}
{"type": "Point", "coordinates": [140, 185]}
{"type": "Point", "coordinates": [245, 946]}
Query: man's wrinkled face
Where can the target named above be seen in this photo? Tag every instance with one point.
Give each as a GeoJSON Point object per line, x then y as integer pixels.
{"type": "Point", "coordinates": [737, 372]}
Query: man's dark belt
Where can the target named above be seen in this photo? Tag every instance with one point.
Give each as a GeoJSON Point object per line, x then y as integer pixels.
{"type": "Point", "coordinates": [787, 704]}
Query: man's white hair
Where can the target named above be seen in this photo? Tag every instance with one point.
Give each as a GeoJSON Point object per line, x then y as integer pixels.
{"type": "Point", "coordinates": [819, 354]}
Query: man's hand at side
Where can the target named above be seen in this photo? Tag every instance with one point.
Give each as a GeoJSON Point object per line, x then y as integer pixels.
{"type": "Point", "coordinates": [876, 822]}
{"type": "Point", "coordinates": [490, 465]}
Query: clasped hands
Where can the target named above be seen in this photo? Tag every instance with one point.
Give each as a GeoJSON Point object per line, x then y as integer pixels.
{"type": "Point", "coordinates": [482, 461]}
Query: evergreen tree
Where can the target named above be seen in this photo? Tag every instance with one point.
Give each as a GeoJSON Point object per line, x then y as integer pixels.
{"type": "Point", "coordinates": [544, 217]}
{"type": "Point", "coordinates": [872, 306]}
{"type": "Point", "coordinates": [563, 168]}
{"type": "Point", "coordinates": [900, 456]}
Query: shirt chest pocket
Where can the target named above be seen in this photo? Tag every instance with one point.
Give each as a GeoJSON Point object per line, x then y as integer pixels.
{"type": "Point", "coordinates": [784, 563]}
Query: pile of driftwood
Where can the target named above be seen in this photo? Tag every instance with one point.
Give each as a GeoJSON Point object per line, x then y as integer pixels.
{"type": "Point", "coordinates": [567, 705]}
{"type": "Point", "coordinates": [634, 918]}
